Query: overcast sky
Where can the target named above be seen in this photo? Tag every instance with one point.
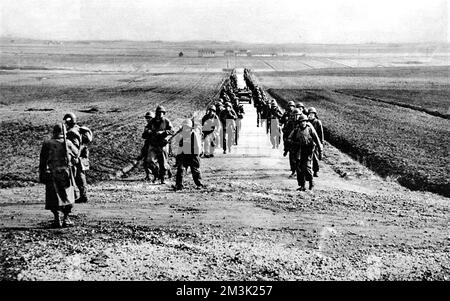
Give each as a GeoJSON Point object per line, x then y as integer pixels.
{"type": "Point", "coordinates": [279, 21]}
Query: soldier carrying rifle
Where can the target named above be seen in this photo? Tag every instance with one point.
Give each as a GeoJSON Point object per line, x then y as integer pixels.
{"type": "Point", "coordinates": [55, 171]}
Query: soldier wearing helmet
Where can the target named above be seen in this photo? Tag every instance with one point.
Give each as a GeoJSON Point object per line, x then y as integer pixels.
{"type": "Point", "coordinates": [228, 121]}
{"type": "Point", "coordinates": [210, 130]}
{"type": "Point", "coordinates": [287, 130]}
{"type": "Point", "coordinates": [55, 173]}
{"type": "Point", "coordinates": [189, 148]}
{"type": "Point", "coordinates": [239, 109]}
{"type": "Point", "coordinates": [301, 106]}
{"type": "Point", "coordinates": [160, 129]}
{"type": "Point", "coordinates": [317, 124]}
{"type": "Point", "coordinates": [273, 124]}
{"type": "Point", "coordinates": [303, 140]}
{"type": "Point", "coordinates": [80, 137]}
{"type": "Point", "coordinates": [287, 113]}
{"type": "Point", "coordinates": [144, 151]}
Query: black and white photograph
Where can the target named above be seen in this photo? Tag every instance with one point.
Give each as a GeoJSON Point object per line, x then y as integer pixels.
{"type": "Point", "coordinates": [236, 141]}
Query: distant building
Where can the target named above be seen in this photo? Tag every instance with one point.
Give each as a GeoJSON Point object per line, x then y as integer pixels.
{"type": "Point", "coordinates": [243, 52]}
{"type": "Point", "coordinates": [206, 52]}
{"type": "Point", "coordinates": [229, 53]}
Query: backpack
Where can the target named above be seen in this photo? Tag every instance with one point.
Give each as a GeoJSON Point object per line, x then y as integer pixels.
{"type": "Point", "coordinates": [86, 135]}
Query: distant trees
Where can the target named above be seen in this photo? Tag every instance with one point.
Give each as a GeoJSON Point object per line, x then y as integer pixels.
{"type": "Point", "coordinates": [180, 54]}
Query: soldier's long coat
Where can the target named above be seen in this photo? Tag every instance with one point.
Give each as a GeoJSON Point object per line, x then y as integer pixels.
{"type": "Point", "coordinates": [54, 172]}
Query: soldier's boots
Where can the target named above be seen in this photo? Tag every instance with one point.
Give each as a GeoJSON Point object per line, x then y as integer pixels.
{"type": "Point", "coordinates": [315, 174]}
{"type": "Point", "coordinates": [301, 188]}
{"type": "Point", "coordinates": [311, 185]}
{"type": "Point", "coordinates": [56, 221]}
{"type": "Point", "coordinates": [292, 174]}
{"type": "Point", "coordinates": [82, 199]}
{"type": "Point", "coordinates": [67, 222]}
{"type": "Point", "coordinates": [177, 187]}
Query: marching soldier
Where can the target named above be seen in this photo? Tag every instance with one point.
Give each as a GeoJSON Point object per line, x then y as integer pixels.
{"type": "Point", "coordinates": [189, 148]}
{"type": "Point", "coordinates": [317, 124]}
{"type": "Point", "coordinates": [301, 106]}
{"type": "Point", "coordinates": [146, 134]}
{"type": "Point", "coordinates": [210, 126]}
{"type": "Point", "coordinates": [239, 109]}
{"type": "Point", "coordinates": [160, 129]}
{"type": "Point", "coordinates": [287, 115]}
{"type": "Point", "coordinates": [80, 136]}
{"type": "Point", "coordinates": [287, 130]}
{"type": "Point", "coordinates": [274, 124]}
{"type": "Point", "coordinates": [303, 139]}
{"type": "Point", "coordinates": [55, 171]}
{"type": "Point", "coordinates": [228, 119]}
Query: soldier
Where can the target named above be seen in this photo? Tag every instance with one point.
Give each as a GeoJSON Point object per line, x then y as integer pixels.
{"type": "Point", "coordinates": [210, 128]}
{"type": "Point", "coordinates": [303, 139]}
{"type": "Point", "coordinates": [274, 124]}
{"type": "Point", "coordinates": [189, 142]}
{"type": "Point", "coordinates": [239, 109]}
{"type": "Point", "coordinates": [287, 130]}
{"type": "Point", "coordinates": [55, 171]}
{"type": "Point", "coordinates": [228, 119]}
{"type": "Point", "coordinates": [144, 151]}
{"type": "Point", "coordinates": [317, 124]}
{"type": "Point", "coordinates": [160, 129]}
{"type": "Point", "coordinates": [80, 136]}
{"type": "Point", "coordinates": [286, 116]}
{"type": "Point", "coordinates": [301, 106]}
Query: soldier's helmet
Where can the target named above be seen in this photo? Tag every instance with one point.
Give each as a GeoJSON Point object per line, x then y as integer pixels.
{"type": "Point", "coordinates": [187, 123]}
{"type": "Point", "coordinates": [299, 105]}
{"type": "Point", "coordinates": [296, 111]}
{"type": "Point", "coordinates": [212, 108]}
{"type": "Point", "coordinates": [291, 104]}
{"type": "Point", "coordinates": [312, 110]}
{"type": "Point", "coordinates": [57, 130]}
{"type": "Point", "coordinates": [70, 118]}
{"type": "Point", "coordinates": [149, 115]}
{"type": "Point", "coordinates": [160, 109]}
{"type": "Point", "coordinates": [302, 117]}
{"type": "Point", "coordinates": [228, 104]}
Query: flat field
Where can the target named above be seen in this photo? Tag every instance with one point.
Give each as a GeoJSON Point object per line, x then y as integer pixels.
{"type": "Point", "coordinates": [113, 106]}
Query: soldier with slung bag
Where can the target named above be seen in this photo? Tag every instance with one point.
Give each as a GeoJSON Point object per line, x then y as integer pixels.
{"type": "Point", "coordinates": [80, 136]}
{"type": "Point", "coordinates": [160, 129]}
{"type": "Point", "coordinates": [55, 171]}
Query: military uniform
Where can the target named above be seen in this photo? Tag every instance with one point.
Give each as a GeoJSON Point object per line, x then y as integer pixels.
{"type": "Point", "coordinates": [144, 151]}
{"type": "Point", "coordinates": [80, 137]}
{"type": "Point", "coordinates": [303, 141]}
{"type": "Point", "coordinates": [274, 125]}
{"type": "Point", "coordinates": [158, 158]}
{"type": "Point", "coordinates": [188, 155]}
{"type": "Point", "coordinates": [239, 109]}
{"type": "Point", "coordinates": [228, 120]}
{"type": "Point", "coordinates": [317, 124]}
{"type": "Point", "coordinates": [210, 129]}
{"type": "Point", "coordinates": [55, 172]}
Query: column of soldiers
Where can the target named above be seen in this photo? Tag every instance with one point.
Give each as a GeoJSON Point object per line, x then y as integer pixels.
{"type": "Point", "coordinates": [301, 128]}
{"type": "Point", "coordinates": [64, 160]}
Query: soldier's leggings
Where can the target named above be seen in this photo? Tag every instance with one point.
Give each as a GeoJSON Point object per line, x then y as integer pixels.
{"type": "Point", "coordinates": [80, 180]}
{"type": "Point", "coordinates": [304, 168]}
{"type": "Point", "coordinates": [186, 160]}
{"type": "Point", "coordinates": [315, 165]}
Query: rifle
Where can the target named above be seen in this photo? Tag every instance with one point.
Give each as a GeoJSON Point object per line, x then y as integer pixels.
{"type": "Point", "coordinates": [68, 163]}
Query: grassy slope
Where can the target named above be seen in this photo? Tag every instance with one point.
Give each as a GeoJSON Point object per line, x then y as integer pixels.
{"type": "Point", "coordinates": [394, 141]}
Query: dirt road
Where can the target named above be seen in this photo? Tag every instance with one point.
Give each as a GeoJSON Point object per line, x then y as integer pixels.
{"type": "Point", "coordinates": [249, 223]}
